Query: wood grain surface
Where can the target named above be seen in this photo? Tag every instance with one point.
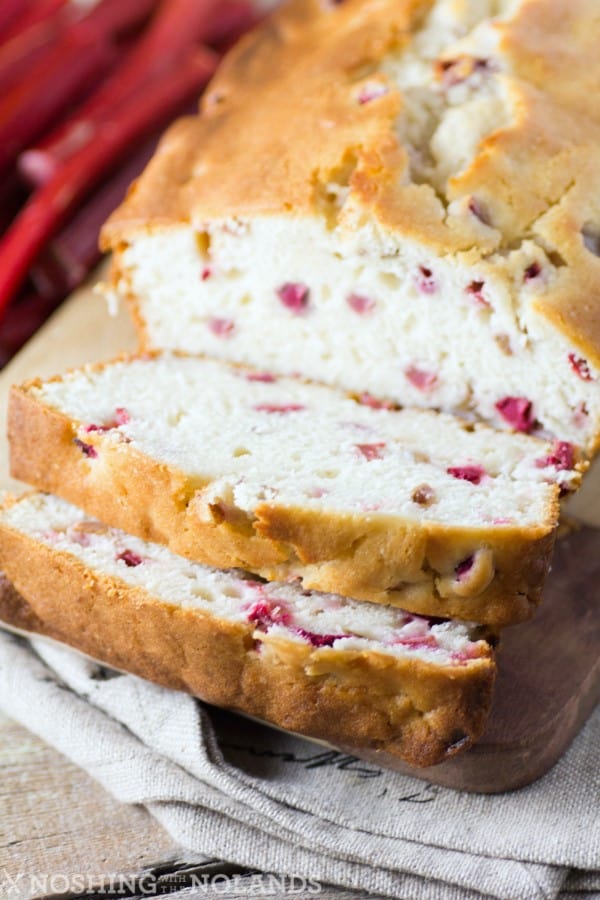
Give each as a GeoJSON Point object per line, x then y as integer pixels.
{"type": "Point", "coordinates": [55, 821]}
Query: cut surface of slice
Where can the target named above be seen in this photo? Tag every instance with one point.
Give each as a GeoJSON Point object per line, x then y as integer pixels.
{"type": "Point", "coordinates": [296, 481]}
{"type": "Point", "coordinates": [319, 664]}
{"type": "Point", "coordinates": [407, 191]}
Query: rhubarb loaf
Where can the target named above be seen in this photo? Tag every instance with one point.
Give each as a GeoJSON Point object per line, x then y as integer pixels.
{"type": "Point", "coordinates": [332, 668]}
{"type": "Point", "coordinates": [399, 197]}
{"type": "Point", "coordinates": [233, 467]}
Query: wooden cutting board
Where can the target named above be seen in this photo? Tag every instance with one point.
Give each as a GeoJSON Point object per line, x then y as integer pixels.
{"type": "Point", "coordinates": [549, 669]}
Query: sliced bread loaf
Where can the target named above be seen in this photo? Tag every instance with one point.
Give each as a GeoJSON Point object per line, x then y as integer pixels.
{"type": "Point", "coordinates": [296, 481]}
{"type": "Point", "coordinates": [354, 673]}
{"type": "Point", "coordinates": [394, 197]}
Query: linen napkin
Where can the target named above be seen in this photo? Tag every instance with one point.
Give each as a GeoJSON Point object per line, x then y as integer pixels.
{"type": "Point", "coordinates": [229, 788]}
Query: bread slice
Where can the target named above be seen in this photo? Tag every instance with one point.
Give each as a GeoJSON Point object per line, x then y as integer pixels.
{"type": "Point", "coordinates": [393, 197]}
{"type": "Point", "coordinates": [355, 673]}
{"type": "Point", "coordinates": [296, 481]}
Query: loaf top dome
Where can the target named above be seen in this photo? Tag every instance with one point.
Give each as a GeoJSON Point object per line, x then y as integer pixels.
{"type": "Point", "coordinates": [468, 128]}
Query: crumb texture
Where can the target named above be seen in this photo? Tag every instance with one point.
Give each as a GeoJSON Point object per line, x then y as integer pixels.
{"type": "Point", "coordinates": [438, 165]}
{"type": "Point", "coordinates": [292, 480]}
{"type": "Point", "coordinates": [277, 610]}
{"type": "Point", "coordinates": [258, 439]}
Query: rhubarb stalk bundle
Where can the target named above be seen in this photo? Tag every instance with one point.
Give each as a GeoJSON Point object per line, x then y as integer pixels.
{"type": "Point", "coordinates": [90, 86]}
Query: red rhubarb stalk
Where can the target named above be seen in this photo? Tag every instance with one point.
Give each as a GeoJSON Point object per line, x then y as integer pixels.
{"type": "Point", "coordinates": [70, 65]}
{"type": "Point", "coordinates": [118, 17]}
{"type": "Point", "coordinates": [47, 20]}
{"type": "Point", "coordinates": [177, 26]}
{"type": "Point", "coordinates": [39, 12]}
{"type": "Point", "coordinates": [19, 55]}
{"type": "Point", "coordinates": [73, 253]}
{"type": "Point", "coordinates": [235, 18]}
{"type": "Point", "coordinates": [31, 36]}
{"type": "Point", "coordinates": [74, 64]}
{"type": "Point", "coordinates": [48, 208]}
{"type": "Point", "coordinates": [10, 10]}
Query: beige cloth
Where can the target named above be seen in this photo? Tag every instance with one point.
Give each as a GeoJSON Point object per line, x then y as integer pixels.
{"type": "Point", "coordinates": [229, 788]}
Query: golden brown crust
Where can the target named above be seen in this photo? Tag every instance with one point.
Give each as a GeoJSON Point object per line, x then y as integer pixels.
{"type": "Point", "coordinates": [290, 89]}
{"type": "Point", "coordinates": [412, 709]}
{"type": "Point", "coordinates": [380, 558]}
